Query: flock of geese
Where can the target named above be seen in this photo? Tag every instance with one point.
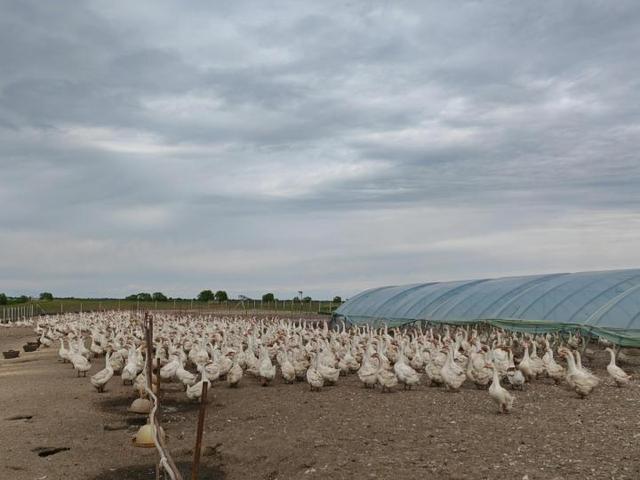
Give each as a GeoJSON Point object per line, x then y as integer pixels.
{"type": "Point", "coordinates": [192, 350]}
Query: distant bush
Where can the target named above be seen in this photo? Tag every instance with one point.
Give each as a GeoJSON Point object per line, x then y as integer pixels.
{"type": "Point", "coordinates": [142, 296]}
{"type": "Point", "coordinates": [206, 296]}
{"type": "Point", "coordinates": [46, 296]}
{"type": "Point", "coordinates": [306, 299]}
{"type": "Point", "coordinates": [3, 299]}
{"type": "Point", "coordinates": [337, 299]}
{"type": "Point", "coordinates": [268, 297]}
{"type": "Point", "coordinates": [159, 297]}
{"type": "Point", "coordinates": [221, 296]}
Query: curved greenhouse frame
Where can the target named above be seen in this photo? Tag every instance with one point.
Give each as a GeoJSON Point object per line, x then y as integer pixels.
{"type": "Point", "coordinates": [605, 303]}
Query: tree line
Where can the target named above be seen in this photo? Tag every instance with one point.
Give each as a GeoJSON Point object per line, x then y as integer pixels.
{"type": "Point", "coordinates": [203, 296]}
{"type": "Point", "coordinates": [6, 300]}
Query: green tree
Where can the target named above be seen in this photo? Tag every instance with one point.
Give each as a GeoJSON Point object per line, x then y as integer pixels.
{"type": "Point", "coordinates": [306, 299]}
{"type": "Point", "coordinates": [221, 296]}
{"type": "Point", "coordinates": [3, 299]}
{"type": "Point", "coordinates": [159, 297]}
{"type": "Point", "coordinates": [144, 297]}
{"type": "Point", "coordinates": [268, 297]}
{"type": "Point", "coordinates": [46, 296]}
{"type": "Point", "coordinates": [22, 299]}
{"type": "Point", "coordinates": [337, 299]}
{"type": "Point", "coordinates": [296, 299]}
{"type": "Point", "coordinates": [131, 297]}
{"type": "Point", "coordinates": [206, 296]}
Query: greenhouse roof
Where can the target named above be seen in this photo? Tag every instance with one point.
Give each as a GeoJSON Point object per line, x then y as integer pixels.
{"type": "Point", "coordinates": [605, 303]}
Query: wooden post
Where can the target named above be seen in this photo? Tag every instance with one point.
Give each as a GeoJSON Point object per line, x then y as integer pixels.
{"type": "Point", "coordinates": [158, 392]}
{"type": "Point", "coordinates": [196, 451]}
{"type": "Point", "coordinates": [149, 324]}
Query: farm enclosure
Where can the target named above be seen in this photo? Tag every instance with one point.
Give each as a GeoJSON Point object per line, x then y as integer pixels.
{"type": "Point", "coordinates": [285, 431]}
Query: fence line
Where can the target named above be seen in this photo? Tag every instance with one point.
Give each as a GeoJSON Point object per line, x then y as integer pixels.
{"type": "Point", "coordinates": [13, 313]}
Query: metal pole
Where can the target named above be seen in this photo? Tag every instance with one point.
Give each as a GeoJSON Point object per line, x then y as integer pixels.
{"type": "Point", "coordinates": [196, 451]}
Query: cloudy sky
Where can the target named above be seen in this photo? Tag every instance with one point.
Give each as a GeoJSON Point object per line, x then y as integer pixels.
{"type": "Point", "coordinates": [319, 146]}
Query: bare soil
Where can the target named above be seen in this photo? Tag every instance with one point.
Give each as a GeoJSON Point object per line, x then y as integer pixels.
{"type": "Point", "coordinates": [287, 432]}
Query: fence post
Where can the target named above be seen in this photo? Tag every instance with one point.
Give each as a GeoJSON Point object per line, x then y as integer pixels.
{"type": "Point", "coordinates": [200, 428]}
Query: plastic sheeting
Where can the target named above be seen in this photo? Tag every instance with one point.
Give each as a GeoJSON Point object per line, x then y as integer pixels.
{"type": "Point", "coordinates": [605, 303]}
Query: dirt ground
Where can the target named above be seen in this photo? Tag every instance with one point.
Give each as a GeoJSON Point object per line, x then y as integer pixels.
{"type": "Point", "coordinates": [287, 432]}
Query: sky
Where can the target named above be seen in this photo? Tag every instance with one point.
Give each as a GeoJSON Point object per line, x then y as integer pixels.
{"type": "Point", "coordinates": [327, 147]}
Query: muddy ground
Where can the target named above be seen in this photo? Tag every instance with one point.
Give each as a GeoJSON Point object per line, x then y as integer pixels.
{"type": "Point", "coordinates": [286, 432]}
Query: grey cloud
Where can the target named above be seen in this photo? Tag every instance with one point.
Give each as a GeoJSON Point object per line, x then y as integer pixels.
{"type": "Point", "coordinates": [329, 146]}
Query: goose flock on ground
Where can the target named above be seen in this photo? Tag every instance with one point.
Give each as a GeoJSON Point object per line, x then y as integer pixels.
{"type": "Point", "coordinates": [192, 350]}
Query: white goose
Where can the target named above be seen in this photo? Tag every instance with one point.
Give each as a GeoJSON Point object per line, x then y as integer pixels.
{"type": "Point", "coordinates": [314, 378]}
{"type": "Point", "coordinates": [80, 364]}
{"type": "Point", "coordinates": [452, 374]}
{"type": "Point", "coordinates": [194, 392]}
{"type": "Point", "coordinates": [187, 378]}
{"type": "Point", "coordinates": [386, 378]}
{"type": "Point", "coordinates": [130, 370]}
{"type": "Point", "coordinates": [329, 373]}
{"type": "Point", "coordinates": [554, 369]}
{"type": "Point", "coordinates": [168, 371]}
{"type": "Point", "coordinates": [499, 394]}
{"type": "Point", "coordinates": [368, 373]}
{"type": "Point", "coordinates": [63, 352]}
{"type": "Point", "coordinates": [287, 368]}
{"type": "Point", "coordinates": [266, 369]}
{"type": "Point", "coordinates": [578, 380]}
{"type": "Point", "coordinates": [235, 373]}
{"type": "Point", "coordinates": [515, 376]}
{"type": "Point", "coordinates": [100, 379]}
{"type": "Point", "coordinates": [45, 340]}
{"type": "Point", "coordinates": [526, 365]}
{"type": "Point", "coordinates": [620, 376]}
{"type": "Point", "coordinates": [406, 375]}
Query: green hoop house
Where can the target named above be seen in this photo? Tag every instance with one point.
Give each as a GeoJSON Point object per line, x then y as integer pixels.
{"type": "Point", "coordinates": [605, 303]}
